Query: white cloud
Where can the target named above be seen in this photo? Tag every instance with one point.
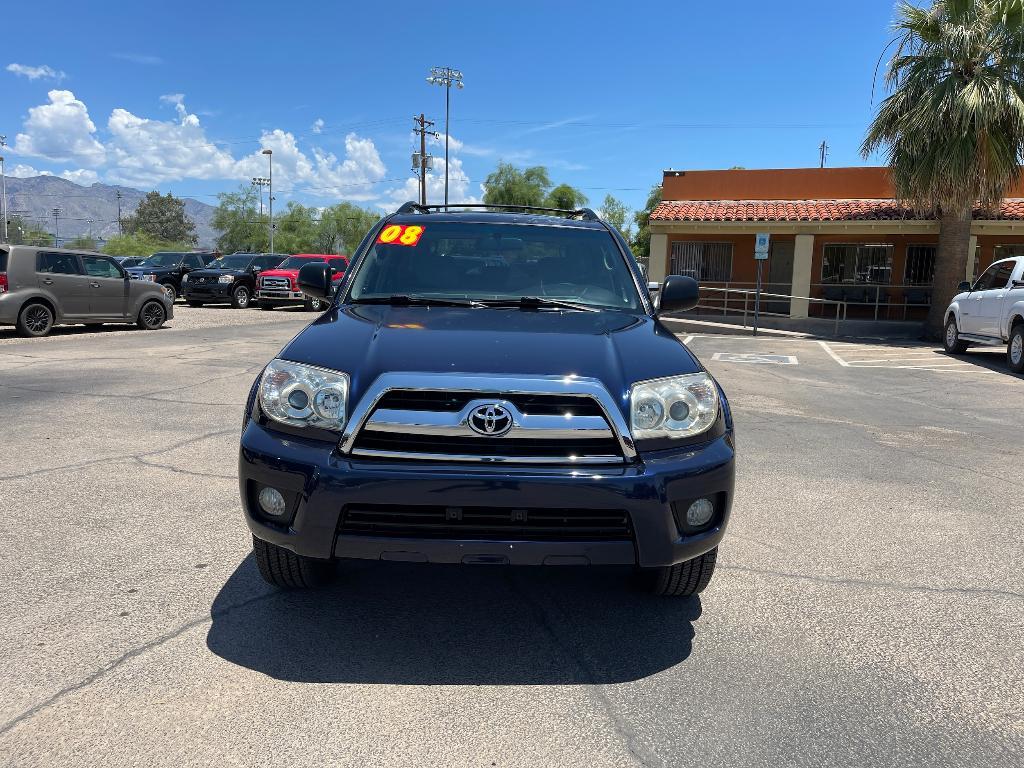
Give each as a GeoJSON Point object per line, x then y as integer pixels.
{"type": "Point", "coordinates": [61, 131]}
{"type": "Point", "coordinates": [318, 125]}
{"type": "Point", "coordinates": [82, 176]}
{"type": "Point", "coordinates": [146, 152]}
{"type": "Point", "coordinates": [35, 73]}
{"type": "Point", "coordinates": [22, 171]}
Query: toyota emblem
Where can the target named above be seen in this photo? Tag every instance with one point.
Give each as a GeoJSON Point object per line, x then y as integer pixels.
{"type": "Point", "coordinates": [490, 420]}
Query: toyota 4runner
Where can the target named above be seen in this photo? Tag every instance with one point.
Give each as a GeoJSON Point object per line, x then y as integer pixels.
{"type": "Point", "coordinates": [489, 388]}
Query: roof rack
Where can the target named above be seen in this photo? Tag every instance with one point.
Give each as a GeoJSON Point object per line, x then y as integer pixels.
{"type": "Point", "coordinates": [582, 213]}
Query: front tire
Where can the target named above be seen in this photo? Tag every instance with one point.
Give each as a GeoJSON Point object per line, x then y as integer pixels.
{"type": "Point", "coordinates": [951, 339]}
{"type": "Point", "coordinates": [1015, 349]}
{"type": "Point", "coordinates": [152, 316]}
{"type": "Point", "coordinates": [240, 297]}
{"type": "Point", "coordinates": [170, 291]}
{"type": "Point", "coordinates": [287, 570]}
{"type": "Point", "coordinates": [35, 320]}
{"type": "Point", "coordinates": [313, 304]}
{"type": "Point", "coordinates": [684, 579]}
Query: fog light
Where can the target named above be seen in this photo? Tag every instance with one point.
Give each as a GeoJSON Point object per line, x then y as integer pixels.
{"type": "Point", "coordinates": [272, 502]}
{"type": "Point", "coordinates": [700, 513]}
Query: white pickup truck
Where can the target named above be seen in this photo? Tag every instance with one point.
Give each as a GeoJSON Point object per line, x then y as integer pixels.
{"type": "Point", "coordinates": [990, 312]}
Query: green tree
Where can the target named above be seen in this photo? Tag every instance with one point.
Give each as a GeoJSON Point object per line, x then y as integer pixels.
{"type": "Point", "coordinates": [297, 230]}
{"type": "Point", "coordinates": [83, 243]}
{"type": "Point", "coordinates": [616, 213]}
{"type": "Point", "coordinates": [343, 226]}
{"type": "Point", "coordinates": [22, 232]}
{"type": "Point", "coordinates": [507, 185]}
{"type": "Point", "coordinates": [141, 244]}
{"type": "Point", "coordinates": [239, 222]}
{"type": "Point", "coordinates": [642, 239]}
{"type": "Point", "coordinates": [162, 217]}
{"type": "Point", "coordinates": [952, 128]}
{"type": "Point", "coordinates": [565, 197]}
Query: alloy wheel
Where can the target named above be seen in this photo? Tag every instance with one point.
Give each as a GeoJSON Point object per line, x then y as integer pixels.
{"type": "Point", "coordinates": [153, 315]}
{"type": "Point", "coordinates": [242, 298]}
{"type": "Point", "coordinates": [37, 319]}
{"type": "Point", "coordinates": [170, 293]}
{"type": "Point", "coordinates": [950, 336]}
{"type": "Point", "coordinates": [1017, 348]}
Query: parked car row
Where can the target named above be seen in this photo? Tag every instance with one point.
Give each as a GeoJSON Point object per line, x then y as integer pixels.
{"type": "Point", "coordinates": [43, 287]}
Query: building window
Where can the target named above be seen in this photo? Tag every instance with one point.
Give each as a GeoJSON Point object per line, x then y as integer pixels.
{"type": "Point", "coordinates": [704, 262]}
{"type": "Point", "coordinates": [920, 269]}
{"type": "Point", "coordinates": [857, 263]}
{"type": "Point", "coordinates": [1007, 251]}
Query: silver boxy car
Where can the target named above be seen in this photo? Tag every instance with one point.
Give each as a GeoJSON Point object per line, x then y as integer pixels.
{"type": "Point", "coordinates": [43, 287]}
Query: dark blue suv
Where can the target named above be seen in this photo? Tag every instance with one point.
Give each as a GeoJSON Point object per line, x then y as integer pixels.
{"type": "Point", "coordinates": [489, 387]}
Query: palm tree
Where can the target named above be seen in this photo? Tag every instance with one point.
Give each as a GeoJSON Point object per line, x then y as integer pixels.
{"type": "Point", "coordinates": [952, 128]}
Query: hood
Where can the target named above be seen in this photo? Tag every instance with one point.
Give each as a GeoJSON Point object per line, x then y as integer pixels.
{"type": "Point", "coordinates": [292, 273]}
{"type": "Point", "coordinates": [616, 348]}
{"type": "Point", "coordinates": [217, 273]}
{"type": "Point", "coordinates": [149, 270]}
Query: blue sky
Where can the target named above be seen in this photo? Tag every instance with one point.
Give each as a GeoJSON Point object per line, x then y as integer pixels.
{"type": "Point", "coordinates": [183, 97]}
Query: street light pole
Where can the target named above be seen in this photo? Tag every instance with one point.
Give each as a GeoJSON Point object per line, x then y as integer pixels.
{"type": "Point", "coordinates": [447, 77]}
{"type": "Point", "coordinates": [270, 183]}
{"type": "Point", "coordinates": [259, 182]}
{"type": "Point", "coordinates": [3, 193]}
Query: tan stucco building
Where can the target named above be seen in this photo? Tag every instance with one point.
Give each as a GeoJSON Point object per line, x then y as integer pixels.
{"type": "Point", "coordinates": [836, 233]}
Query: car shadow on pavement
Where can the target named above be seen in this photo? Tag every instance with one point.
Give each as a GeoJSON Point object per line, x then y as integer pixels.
{"type": "Point", "coordinates": [452, 625]}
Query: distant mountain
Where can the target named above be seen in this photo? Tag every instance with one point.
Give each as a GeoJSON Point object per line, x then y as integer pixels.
{"type": "Point", "coordinates": [89, 209]}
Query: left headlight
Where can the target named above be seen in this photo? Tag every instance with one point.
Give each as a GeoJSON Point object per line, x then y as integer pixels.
{"type": "Point", "coordinates": [225, 279]}
{"type": "Point", "coordinates": [681, 406]}
{"type": "Point", "coordinates": [303, 395]}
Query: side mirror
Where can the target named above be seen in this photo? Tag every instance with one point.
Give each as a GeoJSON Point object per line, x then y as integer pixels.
{"type": "Point", "coordinates": [678, 294]}
{"type": "Point", "coordinates": [315, 280]}
{"type": "Point", "coordinates": [964, 287]}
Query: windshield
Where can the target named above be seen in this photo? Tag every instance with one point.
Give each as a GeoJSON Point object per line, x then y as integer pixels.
{"type": "Point", "coordinates": [295, 262]}
{"type": "Point", "coordinates": [161, 260]}
{"type": "Point", "coordinates": [503, 262]}
{"type": "Point", "coordinates": [234, 261]}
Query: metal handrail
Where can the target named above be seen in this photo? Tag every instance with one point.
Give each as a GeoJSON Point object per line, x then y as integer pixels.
{"type": "Point", "coordinates": [840, 305]}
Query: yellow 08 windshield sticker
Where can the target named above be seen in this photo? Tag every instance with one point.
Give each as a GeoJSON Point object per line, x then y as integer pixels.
{"type": "Point", "coordinates": [397, 234]}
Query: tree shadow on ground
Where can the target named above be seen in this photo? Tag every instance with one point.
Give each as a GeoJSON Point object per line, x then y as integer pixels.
{"type": "Point", "coordinates": [452, 625]}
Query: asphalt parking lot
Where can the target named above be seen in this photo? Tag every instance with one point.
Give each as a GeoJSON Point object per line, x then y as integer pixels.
{"type": "Point", "coordinates": [868, 608]}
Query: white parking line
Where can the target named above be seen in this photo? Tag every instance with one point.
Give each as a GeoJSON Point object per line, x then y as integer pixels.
{"type": "Point", "coordinates": [833, 355]}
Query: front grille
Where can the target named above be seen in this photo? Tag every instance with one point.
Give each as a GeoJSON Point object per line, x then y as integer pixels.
{"type": "Point", "coordinates": [488, 446]}
{"type": "Point", "coordinates": [533, 404]}
{"type": "Point", "coordinates": [486, 523]}
{"type": "Point", "coordinates": [276, 283]}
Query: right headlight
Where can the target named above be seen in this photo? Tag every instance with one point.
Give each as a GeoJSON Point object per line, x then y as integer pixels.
{"type": "Point", "coordinates": [303, 395]}
{"type": "Point", "coordinates": [680, 406]}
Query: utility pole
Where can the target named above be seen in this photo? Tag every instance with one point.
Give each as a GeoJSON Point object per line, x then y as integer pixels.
{"type": "Point", "coordinates": [56, 226]}
{"type": "Point", "coordinates": [3, 193]}
{"type": "Point", "coordinates": [447, 77]}
{"type": "Point", "coordinates": [823, 151]}
{"type": "Point", "coordinates": [422, 159]}
{"type": "Point", "coordinates": [120, 226]}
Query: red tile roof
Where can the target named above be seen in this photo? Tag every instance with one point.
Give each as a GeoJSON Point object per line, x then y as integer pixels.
{"type": "Point", "coordinates": [807, 210]}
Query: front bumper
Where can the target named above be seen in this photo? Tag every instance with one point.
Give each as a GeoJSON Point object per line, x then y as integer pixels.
{"type": "Point", "coordinates": [321, 483]}
{"type": "Point", "coordinates": [207, 291]}
{"type": "Point", "coordinates": [280, 297]}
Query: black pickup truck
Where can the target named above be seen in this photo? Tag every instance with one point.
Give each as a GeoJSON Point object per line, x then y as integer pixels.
{"type": "Point", "coordinates": [489, 388]}
{"type": "Point", "coordinates": [169, 267]}
{"type": "Point", "coordinates": [228, 280]}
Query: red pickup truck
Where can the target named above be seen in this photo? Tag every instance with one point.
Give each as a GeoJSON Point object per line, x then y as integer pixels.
{"type": "Point", "coordinates": [280, 286]}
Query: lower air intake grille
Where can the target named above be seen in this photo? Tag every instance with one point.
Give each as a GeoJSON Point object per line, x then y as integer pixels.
{"type": "Point", "coordinates": [486, 523]}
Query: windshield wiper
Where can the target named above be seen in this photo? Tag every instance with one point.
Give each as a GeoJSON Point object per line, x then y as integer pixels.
{"type": "Point", "coordinates": [535, 302]}
{"type": "Point", "coordinates": [403, 300]}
